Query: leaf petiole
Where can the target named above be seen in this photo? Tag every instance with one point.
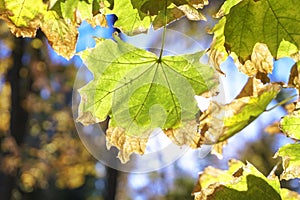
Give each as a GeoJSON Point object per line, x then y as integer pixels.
{"type": "Point", "coordinates": [164, 34]}
{"type": "Point", "coordinates": [282, 102]}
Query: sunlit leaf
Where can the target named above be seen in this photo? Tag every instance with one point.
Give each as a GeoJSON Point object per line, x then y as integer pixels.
{"type": "Point", "coordinates": [191, 12]}
{"type": "Point", "coordinates": [61, 36]}
{"type": "Point", "coordinates": [218, 52]}
{"type": "Point", "coordinates": [261, 61]}
{"type": "Point", "coordinates": [238, 182]}
{"type": "Point", "coordinates": [219, 122]}
{"type": "Point", "coordinates": [129, 19]}
{"type": "Point", "coordinates": [79, 10]}
{"type": "Point", "coordinates": [140, 91]}
{"type": "Point", "coordinates": [226, 6]}
{"type": "Point", "coordinates": [264, 21]}
{"type": "Point", "coordinates": [290, 154]}
{"type": "Point", "coordinates": [135, 16]}
{"type": "Point", "coordinates": [24, 19]}
{"type": "Point", "coordinates": [171, 13]}
{"type": "Point", "coordinates": [288, 194]}
{"type": "Point", "coordinates": [288, 49]}
{"type": "Point", "coordinates": [290, 124]}
{"type": "Point", "coordinates": [125, 143]}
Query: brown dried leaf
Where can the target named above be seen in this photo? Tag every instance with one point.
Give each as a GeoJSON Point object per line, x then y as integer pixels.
{"type": "Point", "coordinates": [273, 128]}
{"type": "Point", "coordinates": [238, 182]}
{"type": "Point", "coordinates": [125, 143]}
{"type": "Point", "coordinates": [261, 61]}
{"type": "Point", "coordinates": [187, 135]}
{"type": "Point", "coordinates": [23, 31]}
{"type": "Point", "coordinates": [24, 20]}
{"type": "Point", "coordinates": [192, 13]}
{"type": "Point", "coordinates": [294, 80]}
{"type": "Point", "coordinates": [98, 20]}
{"type": "Point", "coordinates": [87, 118]}
{"type": "Point", "coordinates": [218, 149]}
{"type": "Point", "coordinates": [62, 36]}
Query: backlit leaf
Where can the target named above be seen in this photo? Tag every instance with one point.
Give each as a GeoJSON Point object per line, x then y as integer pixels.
{"type": "Point", "coordinates": [140, 91]}
{"type": "Point", "coordinates": [125, 143]}
{"type": "Point", "coordinates": [78, 10]}
{"type": "Point", "coordinates": [265, 21]}
{"type": "Point", "coordinates": [288, 194]}
{"type": "Point", "coordinates": [288, 49]}
{"type": "Point", "coordinates": [61, 36]}
{"type": "Point", "coordinates": [290, 124]}
{"type": "Point", "coordinates": [24, 19]}
{"type": "Point", "coordinates": [136, 16]}
{"type": "Point", "coordinates": [238, 182]}
{"type": "Point", "coordinates": [261, 61]}
{"type": "Point", "coordinates": [226, 6]}
{"type": "Point", "coordinates": [129, 19]}
{"type": "Point", "coordinates": [219, 122]}
{"type": "Point", "coordinates": [290, 154]}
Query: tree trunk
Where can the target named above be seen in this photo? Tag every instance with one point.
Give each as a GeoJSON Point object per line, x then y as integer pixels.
{"type": "Point", "coordinates": [19, 116]}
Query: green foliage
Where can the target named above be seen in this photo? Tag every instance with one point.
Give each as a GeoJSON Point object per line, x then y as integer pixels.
{"type": "Point", "coordinates": [290, 125]}
{"type": "Point", "coordinates": [142, 91]}
{"type": "Point", "coordinates": [67, 8]}
{"type": "Point", "coordinates": [290, 154]}
{"type": "Point", "coordinates": [263, 21]}
{"type": "Point", "coordinates": [238, 182]}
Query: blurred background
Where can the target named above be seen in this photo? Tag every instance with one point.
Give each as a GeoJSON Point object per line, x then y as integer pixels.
{"type": "Point", "coordinates": [42, 157]}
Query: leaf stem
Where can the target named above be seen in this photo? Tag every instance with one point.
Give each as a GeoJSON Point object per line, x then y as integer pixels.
{"type": "Point", "coordinates": [281, 103]}
{"type": "Point", "coordinates": [164, 33]}
{"type": "Point", "coordinates": [272, 172]}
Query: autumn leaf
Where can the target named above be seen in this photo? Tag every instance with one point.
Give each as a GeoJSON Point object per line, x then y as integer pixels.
{"type": "Point", "coordinates": [61, 36]}
{"type": "Point", "coordinates": [219, 122]}
{"type": "Point", "coordinates": [135, 16]}
{"type": "Point", "coordinates": [140, 91]}
{"type": "Point", "coordinates": [78, 10]}
{"type": "Point", "coordinates": [261, 61]}
{"type": "Point", "coordinates": [288, 49]}
{"type": "Point", "coordinates": [290, 155]}
{"type": "Point", "coordinates": [125, 143]}
{"type": "Point", "coordinates": [290, 124]}
{"type": "Point", "coordinates": [247, 22]}
{"type": "Point", "coordinates": [24, 19]}
{"type": "Point", "coordinates": [288, 194]}
{"type": "Point", "coordinates": [238, 182]}
{"type": "Point", "coordinates": [294, 79]}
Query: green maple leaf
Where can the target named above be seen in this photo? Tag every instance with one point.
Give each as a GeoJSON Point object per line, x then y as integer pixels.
{"type": "Point", "coordinates": [265, 21]}
{"type": "Point", "coordinates": [290, 154]}
{"type": "Point", "coordinates": [141, 91]}
{"type": "Point", "coordinates": [136, 16]}
{"type": "Point", "coordinates": [67, 8]}
{"type": "Point", "coordinates": [290, 125]}
{"type": "Point", "coordinates": [238, 182]}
